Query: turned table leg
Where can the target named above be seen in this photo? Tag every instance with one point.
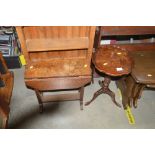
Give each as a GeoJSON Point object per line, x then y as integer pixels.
{"type": "Point", "coordinates": [81, 97]}
{"type": "Point", "coordinates": [39, 97]}
{"type": "Point", "coordinates": [104, 89]}
{"type": "Point", "coordinates": [100, 91]}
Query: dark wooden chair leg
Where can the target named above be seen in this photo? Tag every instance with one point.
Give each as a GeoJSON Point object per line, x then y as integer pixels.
{"type": "Point", "coordinates": [81, 97]}
{"type": "Point", "coordinates": [39, 97]}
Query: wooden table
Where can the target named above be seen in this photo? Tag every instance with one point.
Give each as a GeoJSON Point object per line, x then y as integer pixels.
{"type": "Point", "coordinates": [113, 61]}
{"type": "Point", "coordinates": [142, 76]}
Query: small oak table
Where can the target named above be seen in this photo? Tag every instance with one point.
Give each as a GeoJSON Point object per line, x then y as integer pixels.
{"type": "Point", "coordinates": [113, 61]}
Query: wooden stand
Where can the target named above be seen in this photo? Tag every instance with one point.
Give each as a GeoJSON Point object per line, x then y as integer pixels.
{"type": "Point", "coordinates": [104, 89]}
{"type": "Point", "coordinates": [58, 58]}
{"type": "Point", "coordinates": [59, 97]}
{"type": "Point", "coordinates": [113, 61]}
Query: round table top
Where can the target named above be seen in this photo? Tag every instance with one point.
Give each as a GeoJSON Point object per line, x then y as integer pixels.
{"type": "Point", "coordinates": [112, 60]}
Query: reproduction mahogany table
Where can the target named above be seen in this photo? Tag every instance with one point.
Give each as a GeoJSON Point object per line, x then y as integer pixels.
{"type": "Point", "coordinates": [113, 61]}
{"type": "Point", "coordinates": [142, 76]}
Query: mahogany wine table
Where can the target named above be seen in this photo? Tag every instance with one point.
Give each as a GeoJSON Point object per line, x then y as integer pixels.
{"type": "Point", "coordinates": [114, 62]}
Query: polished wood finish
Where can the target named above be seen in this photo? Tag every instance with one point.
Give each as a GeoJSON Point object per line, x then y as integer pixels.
{"type": "Point", "coordinates": [5, 92]}
{"type": "Point", "coordinates": [143, 55]}
{"type": "Point", "coordinates": [131, 91]}
{"type": "Point", "coordinates": [57, 67]}
{"type": "Point", "coordinates": [142, 75]}
{"type": "Point", "coordinates": [57, 83]}
{"type": "Point", "coordinates": [137, 47]}
{"type": "Point", "coordinates": [58, 58]}
{"type": "Point", "coordinates": [144, 67]}
{"type": "Point", "coordinates": [113, 61]}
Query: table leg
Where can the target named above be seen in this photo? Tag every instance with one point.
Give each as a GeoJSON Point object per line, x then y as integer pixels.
{"type": "Point", "coordinates": [141, 90]}
{"type": "Point", "coordinates": [125, 86]}
{"type": "Point", "coordinates": [134, 93]}
{"type": "Point", "coordinates": [104, 89]}
{"type": "Point", "coordinates": [138, 94]}
{"type": "Point", "coordinates": [39, 97]}
{"type": "Point", "coordinates": [81, 90]}
{"type": "Point", "coordinates": [112, 95]}
{"type": "Point", "coordinates": [100, 91]}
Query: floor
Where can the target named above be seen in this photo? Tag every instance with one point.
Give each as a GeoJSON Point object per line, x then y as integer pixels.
{"type": "Point", "coordinates": [101, 114]}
